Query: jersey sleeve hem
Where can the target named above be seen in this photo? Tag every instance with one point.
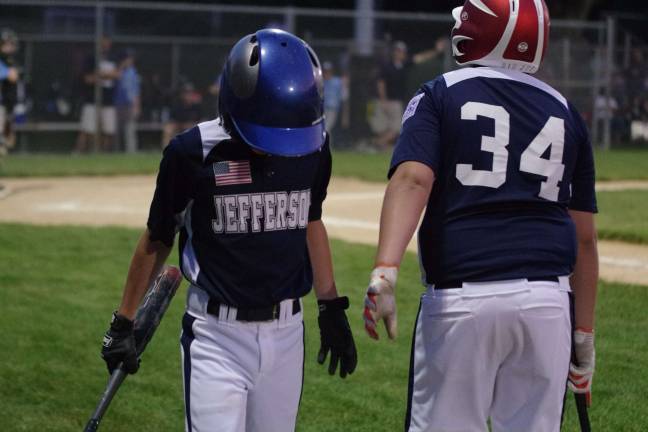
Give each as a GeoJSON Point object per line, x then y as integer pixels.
{"type": "Point", "coordinates": [583, 207]}
{"type": "Point", "coordinates": [155, 234]}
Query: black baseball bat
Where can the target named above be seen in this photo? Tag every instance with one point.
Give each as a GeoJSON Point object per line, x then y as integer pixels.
{"type": "Point", "coordinates": [581, 408]}
{"type": "Point", "coordinates": [581, 405]}
{"type": "Point", "coordinates": [579, 398]}
{"type": "Point", "coordinates": [150, 312]}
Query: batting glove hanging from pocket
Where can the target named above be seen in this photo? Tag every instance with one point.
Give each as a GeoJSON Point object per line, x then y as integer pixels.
{"type": "Point", "coordinates": [380, 302]}
{"type": "Point", "coordinates": [580, 376]}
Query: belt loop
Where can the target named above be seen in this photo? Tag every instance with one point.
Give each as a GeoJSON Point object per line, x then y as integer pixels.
{"type": "Point", "coordinates": [564, 283]}
{"type": "Point", "coordinates": [285, 311]}
{"type": "Point", "coordinates": [223, 312]}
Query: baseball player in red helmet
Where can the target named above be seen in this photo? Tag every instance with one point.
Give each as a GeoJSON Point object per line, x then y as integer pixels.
{"type": "Point", "coordinates": [503, 166]}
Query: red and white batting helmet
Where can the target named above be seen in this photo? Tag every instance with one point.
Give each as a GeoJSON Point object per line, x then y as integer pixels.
{"type": "Point", "coordinates": [512, 34]}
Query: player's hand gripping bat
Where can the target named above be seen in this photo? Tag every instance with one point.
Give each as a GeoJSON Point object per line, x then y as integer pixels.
{"type": "Point", "coordinates": [150, 312]}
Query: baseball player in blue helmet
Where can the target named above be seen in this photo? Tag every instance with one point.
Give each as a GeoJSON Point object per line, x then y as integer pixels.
{"type": "Point", "coordinates": [245, 192]}
{"type": "Point", "coordinates": [503, 167]}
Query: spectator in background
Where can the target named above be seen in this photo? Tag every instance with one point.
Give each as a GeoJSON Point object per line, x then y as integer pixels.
{"type": "Point", "coordinates": [394, 89]}
{"type": "Point", "coordinates": [334, 95]}
{"type": "Point", "coordinates": [108, 74]}
{"type": "Point", "coordinates": [128, 103]}
{"type": "Point", "coordinates": [391, 88]}
{"type": "Point", "coordinates": [639, 116]}
{"type": "Point", "coordinates": [156, 99]}
{"type": "Point", "coordinates": [186, 111]}
{"type": "Point", "coordinates": [606, 109]}
{"type": "Point", "coordinates": [8, 88]}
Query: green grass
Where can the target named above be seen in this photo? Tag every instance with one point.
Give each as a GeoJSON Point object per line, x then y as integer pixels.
{"type": "Point", "coordinates": [620, 164]}
{"type": "Point", "coordinates": [364, 166]}
{"type": "Point", "coordinates": [623, 215]}
{"type": "Point", "coordinates": [58, 286]}
{"type": "Point", "coordinates": [51, 165]}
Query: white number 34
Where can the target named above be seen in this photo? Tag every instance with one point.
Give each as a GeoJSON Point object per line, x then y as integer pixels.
{"type": "Point", "coordinates": [552, 135]}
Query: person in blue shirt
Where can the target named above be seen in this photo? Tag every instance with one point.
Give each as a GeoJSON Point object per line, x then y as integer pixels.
{"type": "Point", "coordinates": [502, 165]}
{"type": "Point", "coordinates": [245, 193]}
{"type": "Point", "coordinates": [127, 102]}
{"type": "Point", "coordinates": [334, 94]}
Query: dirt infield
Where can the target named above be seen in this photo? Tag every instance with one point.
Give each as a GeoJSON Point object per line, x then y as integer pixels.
{"type": "Point", "coordinates": [352, 212]}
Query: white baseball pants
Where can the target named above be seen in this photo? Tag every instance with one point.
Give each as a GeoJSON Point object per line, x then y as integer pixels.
{"type": "Point", "coordinates": [240, 376]}
{"type": "Point", "coordinates": [497, 350]}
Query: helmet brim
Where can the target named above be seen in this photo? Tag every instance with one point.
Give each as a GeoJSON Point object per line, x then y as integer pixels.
{"type": "Point", "coordinates": [289, 142]}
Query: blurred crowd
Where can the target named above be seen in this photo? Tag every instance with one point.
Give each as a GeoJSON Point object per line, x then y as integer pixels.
{"type": "Point", "coordinates": [626, 107]}
{"type": "Point", "coordinates": [127, 98]}
{"type": "Point", "coordinates": [131, 100]}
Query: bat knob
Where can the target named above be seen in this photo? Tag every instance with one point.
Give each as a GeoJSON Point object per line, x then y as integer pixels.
{"type": "Point", "coordinates": [92, 426]}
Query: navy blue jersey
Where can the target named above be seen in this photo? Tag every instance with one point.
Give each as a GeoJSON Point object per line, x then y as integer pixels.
{"type": "Point", "coordinates": [510, 156]}
{"type": "Point", "coordinates": [242, 216]}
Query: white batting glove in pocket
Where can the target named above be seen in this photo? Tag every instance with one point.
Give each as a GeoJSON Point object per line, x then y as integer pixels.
{"type": "Point", "coordinates": [380, 302]}
{"type": "Point", "coordinates": [580, 377]}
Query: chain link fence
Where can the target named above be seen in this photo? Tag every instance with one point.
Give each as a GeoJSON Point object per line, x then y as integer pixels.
{"type": "Point", "coordinates": [180, 49]}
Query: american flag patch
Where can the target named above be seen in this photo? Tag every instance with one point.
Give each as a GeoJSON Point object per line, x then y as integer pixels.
{"type": "Point", "coordinates": [232, 173]}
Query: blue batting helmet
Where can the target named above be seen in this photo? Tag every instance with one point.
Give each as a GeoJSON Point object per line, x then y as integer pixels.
{"type": "Point", "coordinates": [272, 90]}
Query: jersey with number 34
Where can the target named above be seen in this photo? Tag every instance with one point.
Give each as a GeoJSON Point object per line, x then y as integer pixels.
{"type": "Point", "coordinates": [510, 155]}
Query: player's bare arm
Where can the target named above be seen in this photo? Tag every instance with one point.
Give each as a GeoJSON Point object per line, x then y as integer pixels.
{"type": "Point", "coordinates": [148, 258]}
{"type": "Point", "coordinates": [335, 332]}
{"type": "Point", "coordinates": [405, 198]}
{"type": "Point", "coordinates": [584, 282]}
{"type": "Point", "coordinates": [320, 255]}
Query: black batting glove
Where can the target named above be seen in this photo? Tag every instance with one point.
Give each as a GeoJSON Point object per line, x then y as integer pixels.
{"type": "Point", "coordinates": [336, 336]}
{"type": "Point", "coordinates": [119, 345]}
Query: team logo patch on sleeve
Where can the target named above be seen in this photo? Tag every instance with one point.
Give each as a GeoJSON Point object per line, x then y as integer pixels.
{"type": "Point", "coordinates": [411, 107]}
{"type": "Point", "coordinates": [232, 173]}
